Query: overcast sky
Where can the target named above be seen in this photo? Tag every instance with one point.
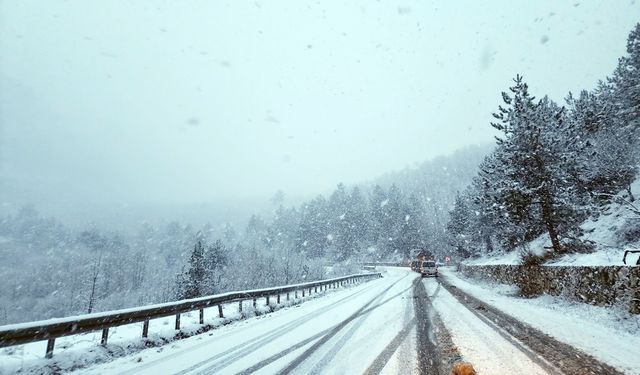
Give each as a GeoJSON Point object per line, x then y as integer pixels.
{"type": "Point", "coordinates": [195, 101]}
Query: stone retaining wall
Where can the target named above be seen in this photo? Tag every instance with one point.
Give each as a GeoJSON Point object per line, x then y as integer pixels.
{"type": "Point", "coordinates": [605, 285]}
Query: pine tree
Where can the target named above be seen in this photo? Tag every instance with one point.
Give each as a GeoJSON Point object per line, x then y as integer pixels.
{"type": "Point", "coordinates": [215, 260]}
{"type": "Point", "coordinates": [627, 82]}
{"type": "Point", "coordinates": [606, 164]}
{"type": "Point", "coordinates": [340, 238]}
{"type": "Point", "coordinates": [534, 185]}
{"type": "Point", "coordinates": [358, 222]}
{"type": "Point", "coordinates": [625, 98]}
{"type": "Point", "coordinates": [311, 235]}
{"type": "Point", "coordinates": [410, 235]}
{"type": "Point", "coordinates": [192, 285]}
{"type": "Point", "coordinates": [459, 226]}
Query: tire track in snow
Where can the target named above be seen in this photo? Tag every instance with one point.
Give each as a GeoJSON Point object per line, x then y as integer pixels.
{"type": "Point", "coordinates": [304, 342]}
{"type": "Point", "coordinates": [406, 352]}
{"type": "Point", "coordinates": [343, 340]}
{"type": "Point", "coordinates": [381, 360]}
{"type": "Point", "coordinates": [363, 310]}
{"type": "Point", "coordinates": [428, 358]}
{"type": "Point", "coordinates": [257, 341]}
{"type": "Point", "coordinates": [239, 354]}
{"type": "Point", "coordinates": [398, 342]}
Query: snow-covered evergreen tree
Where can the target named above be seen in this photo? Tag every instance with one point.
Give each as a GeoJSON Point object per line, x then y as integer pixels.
{"type": "Point", "coordinates": [530, 175]}
{"type": "Point", "coordinates": [192, 284]}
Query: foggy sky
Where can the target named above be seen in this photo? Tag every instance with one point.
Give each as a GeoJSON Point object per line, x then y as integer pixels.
{"type": "Point", "coordinates": [198, 101]}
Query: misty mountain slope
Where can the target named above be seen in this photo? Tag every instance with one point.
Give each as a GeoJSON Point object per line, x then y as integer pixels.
{"type": "Point", "coordinates": [436, 184]}
{"type": "Point", "coordinates": [440, 178]}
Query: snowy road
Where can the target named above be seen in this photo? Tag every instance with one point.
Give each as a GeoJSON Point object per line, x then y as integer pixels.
{"type": "Point", "coordinates": [369, 328]}
{"type": "Point", "coordinates": [399, 324]}
{"type": "Point", "coordinates": [373, 328]}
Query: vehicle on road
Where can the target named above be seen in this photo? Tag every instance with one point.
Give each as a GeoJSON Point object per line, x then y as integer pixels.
{"type": "Point", "coordinates": [415, 265]}
{"type": "Point", "coordinates": [429, 268]}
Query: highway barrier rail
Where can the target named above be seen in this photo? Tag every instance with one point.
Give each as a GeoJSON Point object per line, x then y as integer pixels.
{"type": "Point", "coordinates": [23, 333]}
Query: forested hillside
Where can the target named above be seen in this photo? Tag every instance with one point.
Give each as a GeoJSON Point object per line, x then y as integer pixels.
{"type": "Point", "coordinates": [554, 166]}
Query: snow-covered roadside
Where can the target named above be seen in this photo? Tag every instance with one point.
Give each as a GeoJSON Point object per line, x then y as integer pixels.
{"type": "Point", "coordinates": [511, 258]}
{"type": "Point", "coordinates": [610, 335]}
{"type": "Point", "coordinates": [477, 342]}
{"type": "Point", "coordinates": [84, 349]}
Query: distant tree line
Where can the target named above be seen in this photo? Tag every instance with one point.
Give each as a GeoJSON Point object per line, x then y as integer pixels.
{"type": "Point", "coordinates": [553, 165]}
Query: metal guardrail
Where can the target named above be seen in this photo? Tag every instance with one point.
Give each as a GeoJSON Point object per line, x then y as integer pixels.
{"type": "Point", "coordinates": [23, 333]}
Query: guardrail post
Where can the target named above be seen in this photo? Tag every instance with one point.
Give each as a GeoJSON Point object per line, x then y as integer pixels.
{"type": "Point", "coordinates": [220, 314]}
{"type": "Point", "coordinates": [201, 316]}
{"type": "Point", "coordinates": [50, 344]}
{"type": "Point", "coordinates": [316, 289]}
{"type": "Point", "coordinates": [295, 294]}
{"type": "Point", "coordinates": [278, 299]}
{"type": "Point", "coordinates": [267, 300]}
{"type": "Point", "coordinates": [303, 293]}
{"type": "Point", "coordinates": [254, 303]}
{"type": "Point", "coordinates": [177, 321]}
{"type": "Point", "coordinates": [287, 296]}
{"type": "Point", "coordinates": [105, 336]}
{"type": "Point", "coordinates": [240, 306]}
{"type": "Point", "coordinates": [145, 328]}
